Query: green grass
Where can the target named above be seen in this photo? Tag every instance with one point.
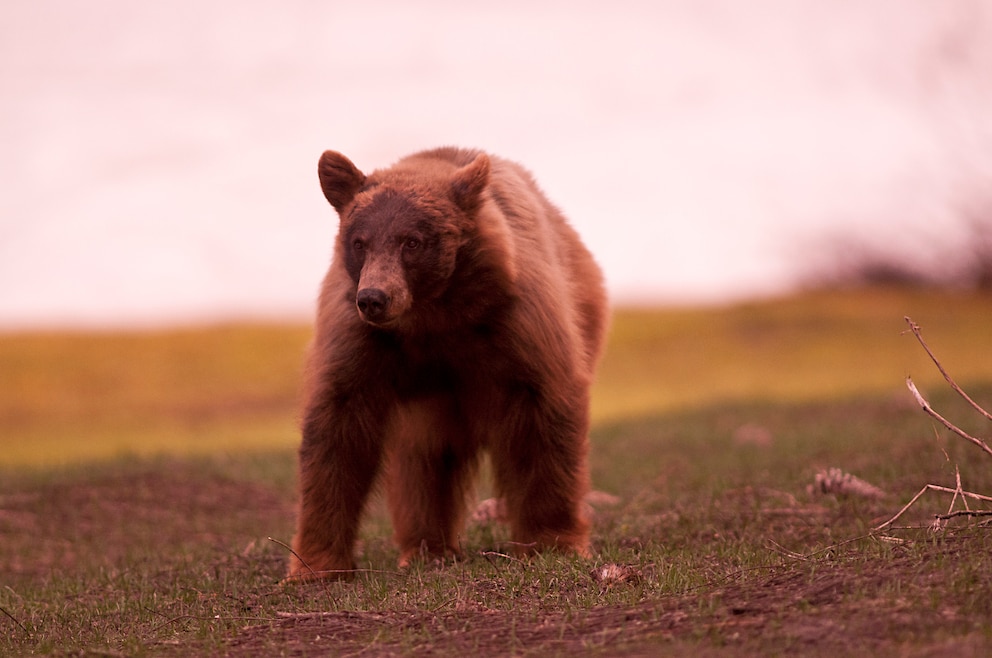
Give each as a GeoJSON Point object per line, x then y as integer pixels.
{"type": "Point", "coordinates": [710, 426]}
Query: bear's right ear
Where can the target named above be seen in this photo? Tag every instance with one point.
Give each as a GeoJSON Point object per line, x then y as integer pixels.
{"type": "Point", "coordinates": [339, 179]}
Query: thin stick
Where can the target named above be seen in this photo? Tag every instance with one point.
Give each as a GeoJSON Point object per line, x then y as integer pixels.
{"type": "Point", "coordinates": [943, 421]}
{"type": "Point", "coordinates": [323, 614]}
{"type": "Point", "coordinates": [491, 554]}
{"type": "Point", "coordinates": [517, 543]}
{"type": "Point", "coordinates": [963, 512]}
{"type": "Point", "coordinates": [297, 578]}
{"type": "Point", "coordinates": [915, 328]}
{"type": "Point", "coordinates": [217, 618]}
{"type": "Point", "coordinates": [305, 615]}
{"type": "Point", "coordinates": [290, 549]}
{"type": "Point", "coordinates": [326, 571]}
{"type": "Point", "coordinates": [960, 490]}
{"type": "Point", "coordinates": [807, 556]}
{"type": "Point", "coordinates": [14, 619]}
{"type": "Point", "coordinates": [778, 548]}
{"type": "Point", "coordinates": [903, 510]}
{"type": "Point", "coordinates": [937, 487]}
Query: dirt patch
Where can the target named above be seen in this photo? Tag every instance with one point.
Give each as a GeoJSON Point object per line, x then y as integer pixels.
{"type": "Point", "coordinates": [839, 604]}
{"type": "Point", "coordinates": [78, 525]}
{"type": "Point", "coordinates": [793, 610]}
{"type": "Point", "coordinates": [456, 632]}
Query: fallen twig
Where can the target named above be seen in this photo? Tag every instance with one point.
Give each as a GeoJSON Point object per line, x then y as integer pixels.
{"type": "Point", "coordinates": [964, 512]}
{"type": "Point", "coordinates": [828, 550]}
{"type": "Point", "coordinates": [324, 614]}
{"type": "Point", "coordinates": [212, 618]}
{"type": "Point", "coordinates": [491, 554]}
{"type": "Point", "coordinates": [931, 487]}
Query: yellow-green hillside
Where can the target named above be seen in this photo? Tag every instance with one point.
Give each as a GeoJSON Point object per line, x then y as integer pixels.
{"type": "Point", "coordinates": [66, 397]}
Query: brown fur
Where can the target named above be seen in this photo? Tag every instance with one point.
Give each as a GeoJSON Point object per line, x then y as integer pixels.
{"type": "Point", "coordinates": [460, 313]}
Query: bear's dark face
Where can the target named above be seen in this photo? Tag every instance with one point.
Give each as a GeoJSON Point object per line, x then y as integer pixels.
{"type": "Point", "coordinates": [401, 229]}
{"type": "Point", "coordinates": [398, 252]}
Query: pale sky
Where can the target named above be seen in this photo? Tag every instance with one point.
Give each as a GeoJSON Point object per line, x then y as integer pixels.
{"type": "Point", "coordinates": [160, 158]}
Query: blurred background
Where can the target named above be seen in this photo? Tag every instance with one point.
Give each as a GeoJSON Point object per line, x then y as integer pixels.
{"type": "Point", "coordinates": [159, 158]}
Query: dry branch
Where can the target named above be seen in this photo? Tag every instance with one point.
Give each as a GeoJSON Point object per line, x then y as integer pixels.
{"type": "Point", "coordinates": [943, 421]}
{"type": "Point", "coordinates": [933, 487]}
{"type": "Point", "coordinates": [915, 328]}
{"type": "Point", "coordinates": [958, 491]}
{"type": "Point", "coordinates": [964, 512]}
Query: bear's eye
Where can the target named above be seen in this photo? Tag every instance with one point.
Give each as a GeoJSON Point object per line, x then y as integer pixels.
{"type": "Point", "coordinates": [412, 243]}
{"type": "Point", "coordinates": [357, 245]}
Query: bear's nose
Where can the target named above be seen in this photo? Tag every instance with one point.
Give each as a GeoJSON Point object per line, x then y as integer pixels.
{"type": "Point", "coordinates": [372, 303]}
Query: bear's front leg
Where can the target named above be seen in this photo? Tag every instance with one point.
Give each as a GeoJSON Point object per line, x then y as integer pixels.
{"type": "Point", "coordinates": [427, 498]}
{"type": "Point", "coordinates": [431, 464]}
{"type": "Point", "coordinates": [339, 460]}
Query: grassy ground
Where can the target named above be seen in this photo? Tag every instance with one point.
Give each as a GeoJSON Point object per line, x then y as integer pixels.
{"type": "Point", "coordinates": [143, 475]}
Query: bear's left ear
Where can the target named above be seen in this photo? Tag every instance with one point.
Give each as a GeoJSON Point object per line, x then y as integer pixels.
{"type": "Point", "coordinates": [339, 179]}
{"type": "Point", "coordinates": [469, 182]}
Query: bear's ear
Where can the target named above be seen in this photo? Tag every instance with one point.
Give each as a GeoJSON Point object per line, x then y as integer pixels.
{"type": "Point", "coordinates": [470, 181]}
{"type": "Point", "coordinates": [339, 179]}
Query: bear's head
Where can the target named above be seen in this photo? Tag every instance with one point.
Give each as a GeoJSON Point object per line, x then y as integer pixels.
{"type": "Point", "coordinates": [401, 229]}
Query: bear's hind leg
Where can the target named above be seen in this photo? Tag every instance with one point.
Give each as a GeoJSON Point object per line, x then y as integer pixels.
{"type": "Point", "coordinates": [539, 462]}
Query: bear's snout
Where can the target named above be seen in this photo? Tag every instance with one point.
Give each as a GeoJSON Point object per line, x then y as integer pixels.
{"type": "Point", "coordinates": [372, 304]}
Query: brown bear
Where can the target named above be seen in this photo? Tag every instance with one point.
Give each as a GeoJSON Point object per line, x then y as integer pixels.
{"type": "Point", "coordinates": [461, 314]}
